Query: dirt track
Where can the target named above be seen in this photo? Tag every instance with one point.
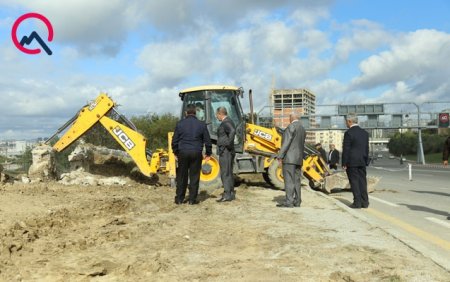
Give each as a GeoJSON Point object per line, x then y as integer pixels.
{"type": "Point", "coordinates": [51, 232]}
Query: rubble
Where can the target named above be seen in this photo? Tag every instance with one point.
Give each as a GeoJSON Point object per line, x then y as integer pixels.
{"type": "Point", "coordinates": [81, 177]}
{"type": "Point", "coordinates": [43, 165]}
{"type": "Point", "coordinates": [100, 160]}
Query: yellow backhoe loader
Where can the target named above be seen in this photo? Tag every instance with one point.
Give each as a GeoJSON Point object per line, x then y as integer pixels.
{"type": "Point", "coordinates": [256, 146]}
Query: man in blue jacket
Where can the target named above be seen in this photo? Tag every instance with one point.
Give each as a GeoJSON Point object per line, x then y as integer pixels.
{"type": "Point", "coordinates": [187, 144]}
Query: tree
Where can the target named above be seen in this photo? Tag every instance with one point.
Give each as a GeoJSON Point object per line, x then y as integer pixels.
{"type": "Point", "coordinates": [155, 129]}
{"type": "Point", "coordinates": [406, 143]}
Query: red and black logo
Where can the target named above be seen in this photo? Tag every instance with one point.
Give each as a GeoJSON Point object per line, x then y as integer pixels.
{"type": "Point", "coordinates": [26, 40]}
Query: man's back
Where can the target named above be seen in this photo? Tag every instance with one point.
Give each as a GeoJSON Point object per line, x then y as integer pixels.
{"type": "Point", "coordinates": [190, 135]}
{"type": "Point", "coordinates": [293, 143]}
{"type": "Point", "coordinates": [356, 147]}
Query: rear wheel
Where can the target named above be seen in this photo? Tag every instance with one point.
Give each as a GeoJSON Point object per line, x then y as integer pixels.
{"type": "Point", "coordinates": [275, 175]}
{"type": "Point", "coordinates": [210, 174]}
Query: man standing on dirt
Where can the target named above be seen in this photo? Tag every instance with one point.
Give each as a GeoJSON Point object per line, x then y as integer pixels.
{"type": "Point", "coordinates": [291, 156]}
{"type": "Point", "coordinates": [187, 144]}
{"type": "Point", "coordinates": [355, 157]}
{"type": "Point", "coordinates": [226, 153]}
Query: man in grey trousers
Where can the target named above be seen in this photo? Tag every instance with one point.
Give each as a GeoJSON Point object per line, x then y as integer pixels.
{"type": "Point", "coordinates": [291, 156]}
{"type": "Point", "coordinates": [225, 150]}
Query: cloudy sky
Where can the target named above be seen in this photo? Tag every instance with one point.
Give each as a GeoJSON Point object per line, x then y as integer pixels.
{"type": "Point", "coordinates": [143, 52]}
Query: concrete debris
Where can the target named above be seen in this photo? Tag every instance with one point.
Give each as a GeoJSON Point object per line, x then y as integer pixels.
{"type": "Point", "coordinates": [43, 166]}
{"type": "Point", "coordinates": [100, 160]}
{"type": "Point", "coordinates": [81, 177]}
{"type": "Point", "coordinates": [26, 179]}
{"type": "Point", "coordinates": [339, 180]}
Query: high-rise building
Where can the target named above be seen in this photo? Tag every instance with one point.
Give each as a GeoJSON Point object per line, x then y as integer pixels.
{"type": "Point", "coordinates": [286, 101]}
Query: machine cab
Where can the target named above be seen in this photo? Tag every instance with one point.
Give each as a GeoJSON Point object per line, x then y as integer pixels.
{"type": "Point", "coordinates": [207, 99]}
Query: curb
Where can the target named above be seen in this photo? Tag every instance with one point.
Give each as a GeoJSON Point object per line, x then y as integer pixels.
{"type": "Point", "coordinates": [363, 218]}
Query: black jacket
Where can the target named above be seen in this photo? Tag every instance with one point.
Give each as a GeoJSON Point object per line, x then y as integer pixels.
{"type": "Point", "coordinates": [333, 157]}
{"type": "Point", "coordinates": [225, 136]}
{"type": "Point", "coordinates": [356, 147]}
{"type": "Point", "coordinates": [190, 135]}
{"type": "Point", "coordinates": [446, 150]}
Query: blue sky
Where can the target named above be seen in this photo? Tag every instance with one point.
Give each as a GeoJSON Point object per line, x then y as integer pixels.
{"type": "Point", "coordinates": [142, 53]}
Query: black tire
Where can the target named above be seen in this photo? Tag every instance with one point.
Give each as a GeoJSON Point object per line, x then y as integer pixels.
{"type": "Point", "coordinates": [265, 175]}
{"type": "Point", "coordinates": [275, 175]}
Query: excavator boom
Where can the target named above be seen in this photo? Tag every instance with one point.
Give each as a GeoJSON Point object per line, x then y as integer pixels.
{"type": "Point", "coordinates": [131, 141]}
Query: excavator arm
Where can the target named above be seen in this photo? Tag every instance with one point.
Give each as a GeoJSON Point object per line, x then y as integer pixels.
{"type": "Point", "coordinates": [127, 136]}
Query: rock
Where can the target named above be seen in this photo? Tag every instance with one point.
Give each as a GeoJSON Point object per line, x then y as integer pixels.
{"type": "Point", "coordinates": [81, 177]}
{"type": "Point", "coordinates": [25, 180]}
{"type": "Point", "coordinates": [43, 163]}
{"type": "Point", "coordinates": [100, 160]}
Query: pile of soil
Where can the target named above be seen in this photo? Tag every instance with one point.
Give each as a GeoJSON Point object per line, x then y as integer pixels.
{"type": "Point", "coordinates": [53, 232]}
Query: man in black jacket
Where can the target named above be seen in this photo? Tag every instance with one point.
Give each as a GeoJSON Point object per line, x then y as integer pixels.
{"type": "Point", "coordinates": [225, 150]}
{"type": "Point", "coordinates": [355, 156]}
{"type": "Point", "coordinates": [322, 152]}
{"type": "Point", "coordinates": [446, 151]}
{"type": "Point", "coordinates": [187, 144]}
{"type": "Point", "coordinates": [333, 157]}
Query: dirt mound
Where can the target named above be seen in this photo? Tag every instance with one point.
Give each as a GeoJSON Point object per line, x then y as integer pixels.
{"type": "Point", "coordinates": [54, 232]}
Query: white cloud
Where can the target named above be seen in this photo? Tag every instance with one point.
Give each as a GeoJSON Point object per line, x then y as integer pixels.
{"type": "Point", "coordinates": [416, 61]}
{"type": "Point", "coordinates": [361, 35]}
{"type": "Point", "coordinates": [177, 44]}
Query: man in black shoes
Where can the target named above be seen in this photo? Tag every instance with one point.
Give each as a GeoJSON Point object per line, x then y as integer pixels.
{"type": "Point", "coordinates": [187, 144]}
{"type": "Point", "coordinates": [355, 158]}
{"type": "Point", "coordinates": [446, 151]}
{"type": "Point", "coordinates": [226, 153]}
{"type": "Point", "coordinates": [291, 157]}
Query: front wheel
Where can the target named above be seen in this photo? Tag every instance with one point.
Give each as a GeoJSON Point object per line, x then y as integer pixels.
{"type": "Point", "coordinates": [275, 174]}
{"type": "Point", "coordinates": [210, 174]}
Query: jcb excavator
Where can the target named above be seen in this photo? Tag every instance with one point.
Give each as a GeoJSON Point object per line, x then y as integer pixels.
{"type": "Point", "coordinates": [256, 146]}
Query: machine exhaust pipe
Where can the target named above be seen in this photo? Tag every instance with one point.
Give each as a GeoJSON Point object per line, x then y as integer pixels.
{"type": "Point", "coordinates": [250, 97]}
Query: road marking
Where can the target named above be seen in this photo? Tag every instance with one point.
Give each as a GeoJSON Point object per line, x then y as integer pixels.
{"type": "Point", "coordinates": [439, 221]}
{"type": "Point", "coordinates": [383, 201]}
{"type": "Point", "coordinates": [411, 229]}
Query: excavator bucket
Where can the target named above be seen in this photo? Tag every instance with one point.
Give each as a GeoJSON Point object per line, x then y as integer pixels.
{"type": "Point", "coordinates": [339, 180]}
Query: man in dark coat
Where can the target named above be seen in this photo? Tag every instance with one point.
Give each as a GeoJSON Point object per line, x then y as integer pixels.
{"type": "Point", "coordinates": [291, 156]}
{"type": "Point", "coordinates": [446, 151]}
{"type": "Point", "coordinates": [226, 153]}
{"type": "Point", "coordinates": [333, 157]}
{"type": "Point", "coordinates": [355, 156]}
{"type": "Point", "coordinates": [322, 152]}
{"type": "Point", "coordinates": [187, 144]}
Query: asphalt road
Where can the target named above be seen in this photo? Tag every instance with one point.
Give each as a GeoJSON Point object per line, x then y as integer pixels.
{"type": "Point", "coordinates": [416, 211]}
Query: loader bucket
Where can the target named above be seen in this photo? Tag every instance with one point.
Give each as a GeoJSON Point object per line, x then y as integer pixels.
{"type": "Point", "coordinates": [339, 180]}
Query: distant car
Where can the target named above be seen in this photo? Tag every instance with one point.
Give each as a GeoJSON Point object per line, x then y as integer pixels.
{"type": "Point", "coordinates": [380, 156]}
{"type": "Point", "coordinates": [391, 157]}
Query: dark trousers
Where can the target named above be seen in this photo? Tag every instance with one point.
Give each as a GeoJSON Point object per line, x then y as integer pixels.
{"type": "Point", "coordinates": [292, 174]}
{"type": "Point", "coordinates": [226, 162]}
{"type": "Point", "coordinates": [357, 177]}
{"type": "Point", "coordinates": [332, 166]}
{"type": "Point", "coordinates": [189, 165]}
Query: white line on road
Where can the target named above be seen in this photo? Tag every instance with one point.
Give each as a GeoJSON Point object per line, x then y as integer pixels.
{"type": "Point", "coordinates": [438, 221]}
{"type": "Point", "coordinates": [383, 201]}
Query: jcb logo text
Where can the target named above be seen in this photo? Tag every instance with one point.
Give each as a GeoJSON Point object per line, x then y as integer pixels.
{"type": "Point", "coordinates": [123, 138]}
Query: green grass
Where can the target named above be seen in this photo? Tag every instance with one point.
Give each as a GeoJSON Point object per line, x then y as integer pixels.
{"type": "Point", "coordinates": [429, 158]}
